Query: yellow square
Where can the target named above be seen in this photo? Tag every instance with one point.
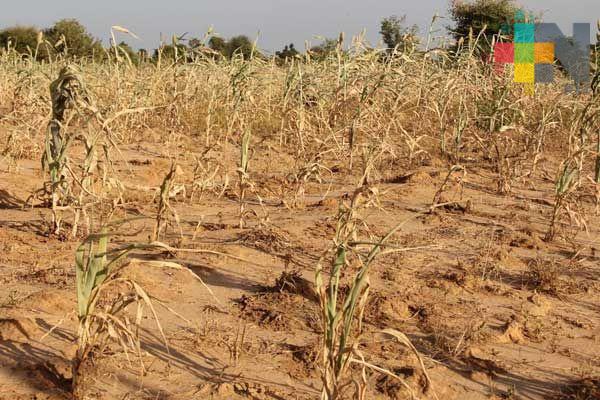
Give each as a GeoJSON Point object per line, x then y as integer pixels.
{"type": "Point", "coordinates": [544, 53]}
{"type": "Point", "coordinates": [525, 73]}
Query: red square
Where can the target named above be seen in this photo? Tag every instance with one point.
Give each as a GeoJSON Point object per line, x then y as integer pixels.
{"type": "Point", "coordinates": [504, 53]}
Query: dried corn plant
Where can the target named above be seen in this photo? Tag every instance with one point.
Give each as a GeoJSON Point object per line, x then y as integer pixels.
{"type": "Point", "coordinates": [310, 171]}
{"type": "Point", "coordinates": [566, 201]}
{"type": "Point", "coordinates": [456, 174]}
{"type": "Point", "coordinates": [74, 117]}
{"type": "Point", "coordinates": [104, 295]}
{"type": "Point", "coordinates": [341, 315]}
{"type": "Point", "coordinates": [206, 179]}
{"type": "Point", "coordinates": [510, 154]}
{"type": "Point", "coordinates": [102, 317]}
{"type": "Point", "coordinates": [165, 212]}
{"type": "Point", "coordinates": [66, 92]}
{"type": "Point", "coordinates": [244, 179]}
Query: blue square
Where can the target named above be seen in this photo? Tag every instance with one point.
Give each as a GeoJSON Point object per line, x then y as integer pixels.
{"type": "Point", "coordinates": [544, 73]}
{"type": "Point", "coordinates": [524, 33]}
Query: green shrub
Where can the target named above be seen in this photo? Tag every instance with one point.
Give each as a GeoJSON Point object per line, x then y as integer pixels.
{"type": "Point", "coordinates": [323, 50]}
{"type": "Point", "coordinates": [70, 38]}
{"type": "Point", "coordinates": [288, 52]}
{"type": "Point", "coordinates": [22, 39]}
{"type": "Point", "coordinates": [397, 36]}
{"type": "Point", "coordinates": [240, 44]}
{"type": "Point", "coordinates": [474, 16]}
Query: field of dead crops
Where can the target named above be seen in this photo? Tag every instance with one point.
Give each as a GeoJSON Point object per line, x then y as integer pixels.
{"type": "Point", "coordinates": [359, 227]}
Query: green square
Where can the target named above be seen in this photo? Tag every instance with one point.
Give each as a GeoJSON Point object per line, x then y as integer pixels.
{"type": "Point", "coordinates": [524, 53]}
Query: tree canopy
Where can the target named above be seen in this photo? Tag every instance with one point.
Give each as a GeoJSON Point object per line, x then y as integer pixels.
{"type": "Point", "coordinates": [23, 39]}
{"type": "Point", "coordinates": [289, 51]}
{"type": "Point", "coordinates": [240, 44]}
{"type": "Point", "coordinates": [473, 16]}
{"type": "Point", "coordinates": [71, 38]}
{"type": "Point", "coordinates": [323, 50]}
{"type": "Point", "coordinates": [396, 35]}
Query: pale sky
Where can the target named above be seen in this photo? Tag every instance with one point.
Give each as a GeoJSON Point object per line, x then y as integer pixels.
{"type": "Point", "coordinates": [279, 21]}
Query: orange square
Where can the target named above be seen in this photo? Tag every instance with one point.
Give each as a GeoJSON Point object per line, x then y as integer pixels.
{"type": "Point", "coordinates": [544, 53]}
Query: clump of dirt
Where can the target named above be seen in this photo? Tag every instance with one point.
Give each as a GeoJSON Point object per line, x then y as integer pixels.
{"type": "Point", "coordinates": [280, 311]}
{"type": "Point", "coordinates": [328, 202]}
{"type": "Point", "coordinates": [512, 333]}
{"type": "Point", "coordinates": [381, 310]}
{"type": "Point", "coordinates": [537, 305]}
{"type": "Point", "coordinates": [414, 178]}
{"type": "Point", "coordinates": [462, 278]}
{"type": "Point", "coordinates": [453, 206]}
{"type": "Point", "coordinates": [291, 303]}
{"type": "Point", "coordinates": [293, 282]}
{"type": "Point", "coordinates": [48, 376]}
{"type": "Point", "coordinates": [492, 260]}
{"type": "Point", "coordinates": [532, 324]}
{"type": "Point", "coordinates": [507, 258]}
{"type": "Point", "coordinates": [391, 273]}
{"type": "Point", "coordinates": [306, 359]}
{"type": "Point", "coordinates": [251, 390]}
{"type": "Point", "coordinates": [527, 239]}
{"type": "Point", "coordinates": [483, 364]}
{"type": "Point", "coordinates": [266, 240]}
{"type": "Point", "coordinates": [412, 381]}
{"type": "Point", "coordinates": [451, 330]}
{"type": "Point", "coordinates": [324, 228]}
{"type": "Point", "coordinates": [210, 226]}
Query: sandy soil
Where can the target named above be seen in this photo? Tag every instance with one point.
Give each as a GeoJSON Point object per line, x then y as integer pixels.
{"type": "Point", "coordinates": [496, 311]}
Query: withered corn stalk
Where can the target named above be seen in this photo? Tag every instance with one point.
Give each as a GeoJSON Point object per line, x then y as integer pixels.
{"type": "Point", "coordinates": [244, 182]}
{"type": "Point", "coordinates": [68, 95]}
{"type": "Point", "coordinates": [74, 117]}
{"type": "Point", "coordinates": [101, 315]}
{"type": "Point", "coordinates": [164, 204]}
{"type": "Point", "coordinates": [342, 317]}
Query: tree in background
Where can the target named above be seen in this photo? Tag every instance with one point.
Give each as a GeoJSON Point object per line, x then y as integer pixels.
{"type": "Point", "coordinates": [71, 38]}
{"type": "Point", "coordinates": [240, 44]}
{"type": "Point", "coordinates": [471, 17]}
{"type": "Point", "coordinates": [289, 51]}
{"type": "Point", "coordinates": [172, 52]}
{"type": "Point", "coordinates": [22, 39]}
{"type": "Point", "coordinates": [142, 55]}
{"type": "Point", "coordinates": [323, 50]}
{"type": "Point", "coordinates": [396, 36]}
{"type": "Point", "coordinates": [218, 44]}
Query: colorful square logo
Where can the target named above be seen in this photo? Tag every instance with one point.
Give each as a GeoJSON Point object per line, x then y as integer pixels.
{"type": "Point", "coordinates": [533, 60]}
